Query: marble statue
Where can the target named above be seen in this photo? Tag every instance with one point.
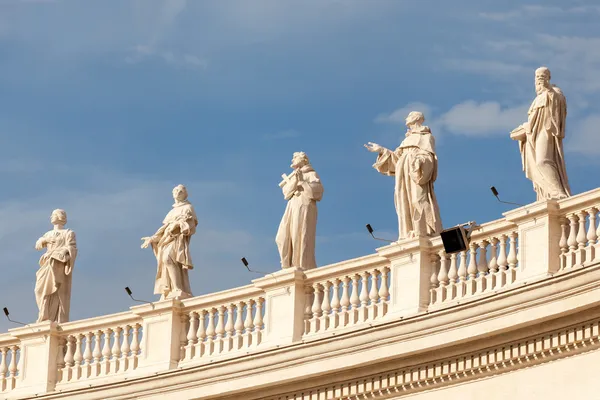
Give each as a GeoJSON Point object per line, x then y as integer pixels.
{"type": "Point", "coordinates": [414, 164]}
{"type": "Point", "coordinates": [540, 140]}
{"type": "Point", "coordinates": [171, 246]}
{"type": "Point", "coordinates": [53, 279]}
{"type": "Point", "coordinates": [297, 231]}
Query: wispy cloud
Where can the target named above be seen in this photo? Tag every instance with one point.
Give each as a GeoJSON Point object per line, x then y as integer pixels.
{"type": "Point", "coordinates": [537, 11]}
{"type": "Point", "coordinates": [141, 53]}
{"type": "Point", "coordinates": [399, 115]}
{"type": "Point", "coordinates": [585, 137]}
{"type": "Point", "coordinates": [482, 119]}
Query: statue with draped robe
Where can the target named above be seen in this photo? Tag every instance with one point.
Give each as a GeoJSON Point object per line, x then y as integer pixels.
{"type": "Point", "coordinates": [298, 228]}
{"type": "Point", "coordinates": [414, 165]}
{"type": "Point", "coordinates": [53, 279]}
{"type": "Point", "coordinates": [171, 247]}
{"type": "Point", "coordinates": [540, 140]}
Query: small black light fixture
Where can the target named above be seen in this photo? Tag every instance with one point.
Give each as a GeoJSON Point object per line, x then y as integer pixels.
{"type": "Point", "coordinates": [457, 239]}
{"type": "Point", "coordinates": [370, 229]}
{"type": "Point", "coordinates": [8, 317]}
{"type": "Point", "coordinates": [495, 193]}
{"type": "Point", "coordinates": [247, 265]}
{"type": "Point", "coordinates": [130, 293]}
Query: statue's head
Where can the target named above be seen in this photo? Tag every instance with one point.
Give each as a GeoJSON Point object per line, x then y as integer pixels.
{"type": "Point", "coordinates": [58, 217]}
{"type": "Point", "coordinates": [415, 118]}
{"type": "Point", "coordinates": [180, 193]}
{"type": "Point", "coordinates": [542, 79]}
{"type": "Point", "coordinates": [299, 160]}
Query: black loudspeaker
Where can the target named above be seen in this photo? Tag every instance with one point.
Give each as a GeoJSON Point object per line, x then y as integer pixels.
{"type": "Point", "coordinates": [455, 240]}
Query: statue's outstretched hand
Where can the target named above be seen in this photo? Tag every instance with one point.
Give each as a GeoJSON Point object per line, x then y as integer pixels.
{"type": "Point", "coordinates": [39, 244]}
{"type": "Point", "coordinates": [373, 147]}
{"type": "Point", "coordinates": [147, 240]}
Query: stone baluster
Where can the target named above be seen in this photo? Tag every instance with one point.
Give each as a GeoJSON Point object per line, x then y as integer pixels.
{"type": "Point", "coordinates": [345, 302]}
{"type": "Point", "coordinates": [97, 354]}
{"type": "Point", "coordinates": [229, 330]}
{"type": "Point", "coordinates": [69, 359]}
{"type": "Point", "coordinates": [373, 295]}
{"type": "Point", "coordinates": [472, 269]}
{"type": "Point", "coordinates": [564, 247]}
{"type": "Point", "coordinates": [452, 276]}
{"type": "Point", "coordinates": [316, 308]}
{"type": "Point", "coordinates": [3, 367]}
{"type": "Point", "coordinates": [591, 235]}
{"type": "Point", "coordinates": [384, 292]}
{"type": "Point", "coordinates": [482, 267]}
{"type": "Point", "coordinates": [135, 346]}
{"type": "Point", "coordinates": [13, 367]}
{"type": "Point", "coordinates": [512, 258]}
{"type": "Point", "coordinates": [493, 266]}
{"type": "Point", "coordinates": [248, 324]}
{"type": "Point", "coordinates": [581, 239]}
{"type": "Point", "coordinates": [238, 326]}
{"type": "Point", "coordinates": [125, 349]}
{"type": "Point", "coordinates": [325, 306]}
{"type": "Point", "coordinates": [334, 318]}
{"type": "Point", "coordinates": [364, 297]}
{"type": "Point", "coordinates": [87, 355]}
{"type": "Point", "coordinates": [463, 271]}
{"type": "Point", "coordinates": [433, 279]}
{"type": "Point", "coordinates": [258, 321]}
{"type": "Point", "coordinates": [354, 299]}
{"type": "Point", "coordinates": [199, 346]}
{"type": "Point", "coordinates": [192, 336]}
{"type": "Point", "coordinates": [502, 262]}
{"type": "Point", "coordinates": [106, 352]}
{"type": "Point", "coordinates": [184, 318]}
{"type": "Point", "coordinates": [210, 332]}
{"type": "Point", "coordinates": [220, 330]}
{"type": "Point", "coordinates": [442, 295]}
{"type": "Point", "coordinates": [78, 356]}
{"type": "Point", "coordinates": [116, 350]}
{"type": "Point", "coordinates": [572, 240]}
{"type": "Point", "coordinates": [308, 300]}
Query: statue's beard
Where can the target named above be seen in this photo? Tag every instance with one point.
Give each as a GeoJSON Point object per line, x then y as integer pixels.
{"type": "Point", "coordinates": [539, 88]}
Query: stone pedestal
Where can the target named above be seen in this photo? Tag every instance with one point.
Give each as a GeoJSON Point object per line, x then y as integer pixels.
{"type": "Point", "coordinates": [285, 299]}
{"type": "Point", "coordinates": [39, 357]}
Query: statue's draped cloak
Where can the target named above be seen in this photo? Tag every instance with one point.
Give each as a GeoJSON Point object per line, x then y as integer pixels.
{"type": "Point", "coordinates": [297, 231]}
{"type": "Point", "coordinates": [172, 250]}
{"type": "Point", "coordinates": [542, 152]}
{"type": "Point", "coordinates": [53, 279]}
{"type": "Point", "coordinates": [414, 165]}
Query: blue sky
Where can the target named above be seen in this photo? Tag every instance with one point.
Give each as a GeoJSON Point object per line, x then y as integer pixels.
{"type": "Point", "coordinates": [106, 105]}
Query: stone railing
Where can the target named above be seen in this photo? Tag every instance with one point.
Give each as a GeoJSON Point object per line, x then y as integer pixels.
{"type": "Point", "coordinates": [222, 323]}
{"type": "Point", "coordinates": [289, 307]}
{"type": "Point", "coordinates": [9, 362]}
{"type": "Point", "coordinates": [490, 263]}
{"type": "Point", "coordinates": [346, 294]}
{"type": "Point", "coordinates": [98, 347]}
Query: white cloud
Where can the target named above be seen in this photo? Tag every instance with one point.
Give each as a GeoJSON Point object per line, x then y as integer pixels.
{"type": "Point", "coordinates": [285, 134]}
{"type": "Point", "coordinates": [399, 115]}
{"type": "Point", "coordinates": [494, 68]}
{"type": "Point", "coordinates": [482, 119]}
{"type": "Point", "coordinates": [534, 11]}
{"type": "Point", "coordinates": [144, 52]}
{"type": "Point", "coordinates": [585, 137]}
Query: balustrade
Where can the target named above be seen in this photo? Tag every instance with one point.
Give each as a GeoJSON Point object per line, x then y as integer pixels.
{"type": "Point", "coordinates": [99, 351]}
{"type": "Point", "coordinates": [489, 264]}
{"type": "Point", "coordinates": [346, 300]}
{"type": "Point", "coordinates": [217, 329]}
{"type": "Point", "coordinates": [579, 241]}
{"type": "Point", "coordinates": [9, 363]}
